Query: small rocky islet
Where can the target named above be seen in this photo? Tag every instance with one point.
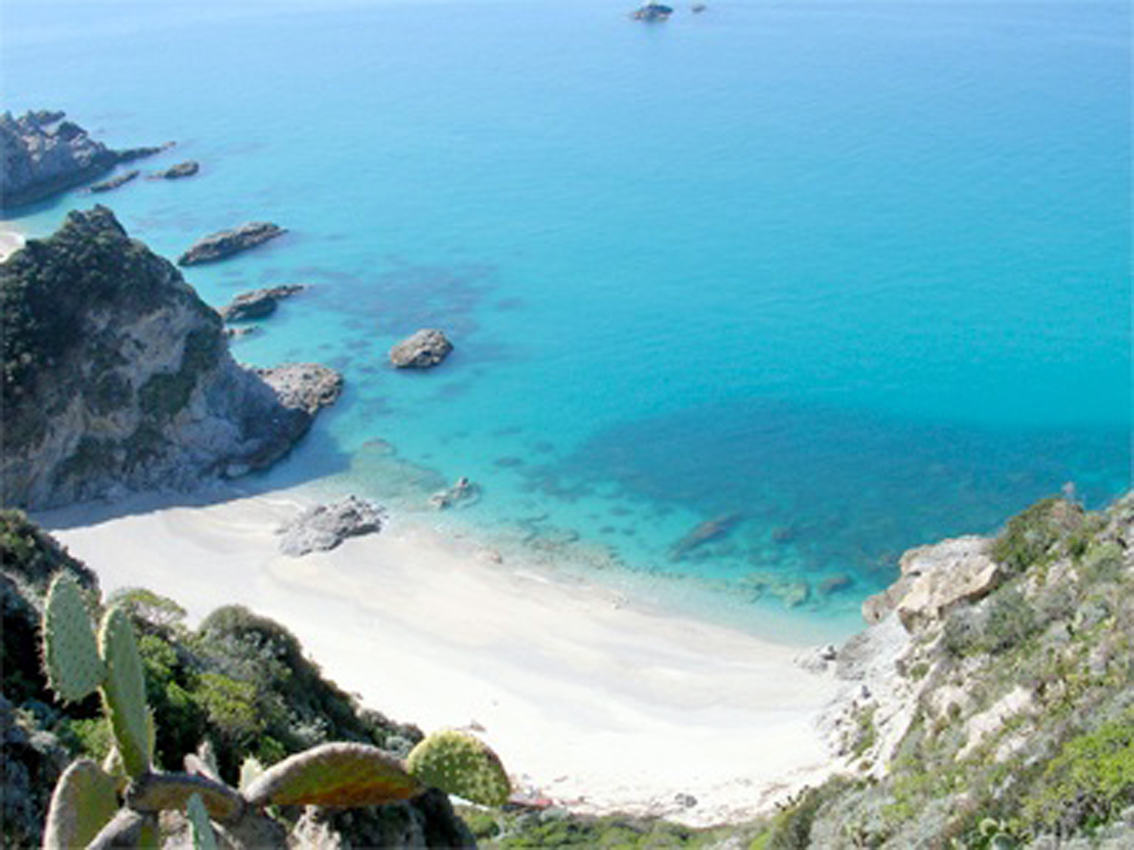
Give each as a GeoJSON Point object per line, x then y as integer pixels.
{"type": "Point", "coordinates": [227, 243]}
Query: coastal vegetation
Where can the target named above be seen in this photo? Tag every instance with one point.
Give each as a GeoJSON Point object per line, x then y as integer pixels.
{"type": "Point", "coordinates": [1020, 730]}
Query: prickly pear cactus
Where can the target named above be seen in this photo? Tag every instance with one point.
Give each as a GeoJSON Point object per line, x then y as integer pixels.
{"type": "Point", "coordinates": [199, 825]}
{"type": "Point", "coordinates": [70, 655]}
{"type": "Point", "coordinates": [82, 804]}
{"type": "Point", "coordinates": [334, 775]}
{"type": "Point", "coordinates": [460, 764]}
{"type": "Point", "coordinates": [124, 691]}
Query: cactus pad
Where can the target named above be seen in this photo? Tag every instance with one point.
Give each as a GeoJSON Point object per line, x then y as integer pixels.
{"type": "Point", "coordinates": [334, 775]}
{"type": "Point", "coordinates": [70, 654]}
{"type": "Point", "coordinates": [82, 804]}
{"type": "Point", "coordinates": [124, 691]}
{"type": "Point", "coordinates": [199, 826]}
{"type": "Point", "coordinates": [157, 792]}
{"type": "Point", "coordinates": [460, 764]}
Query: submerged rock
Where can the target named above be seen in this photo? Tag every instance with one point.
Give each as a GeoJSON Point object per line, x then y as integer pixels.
{"type": "Point", "coordinates": [218, 246]}
{"type": "Point", "coordinates": [424, 349]}
{"type": "Point", "coordinates": [324, 527]}
{"type": "Point", "coordinates": [462, 494]}
{"type": "Point", "coordinates": [117, 376]}
{"type": "Point", "coordinates": [702, 533]}
{"type": "Point", "coordinates": [258, 303]}
{"type": "Point", "coordinates": [176, 172]}
{"type": "Point", "coordinates": [114, 182]}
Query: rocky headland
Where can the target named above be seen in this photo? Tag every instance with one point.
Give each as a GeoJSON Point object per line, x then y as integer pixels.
{"type": "Point", "coordinates": [117, 376]}
{"type": "Point", "coordinates": [43, 154]}
{"type": "Point", "coordinates": [226, 243]}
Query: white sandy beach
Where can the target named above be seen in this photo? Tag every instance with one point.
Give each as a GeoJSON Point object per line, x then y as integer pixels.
{"type": "Point", "coordinates": [599, 706]}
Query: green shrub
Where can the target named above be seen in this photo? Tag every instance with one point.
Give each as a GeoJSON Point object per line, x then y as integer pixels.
{"type": "Point", "coordinates": [1030, 537]}
{"type": "Point", "coordinates": [1089, 782]}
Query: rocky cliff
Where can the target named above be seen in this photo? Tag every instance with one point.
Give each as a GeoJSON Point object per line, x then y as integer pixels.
{"type": "Point", "coordinates": [42, 153]}
{"type": "Point", "coordinates": [116, 376]}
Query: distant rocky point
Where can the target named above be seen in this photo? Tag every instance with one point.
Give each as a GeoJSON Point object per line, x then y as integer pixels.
{"type": "Point", "coordinates": [117, 376]}
{"type": "Point", "coordinates": [226, 243]}
{"type": "Point", "coordinates": [43, 154]}
{"type": "Point", "coordinates": [258, 303]}
{"type": "Point", "coordinates": [176, 172]}
{"type": "Point", "coordinates": [422, 350]}
{"type": "Point", "coordinates": [652, 12]}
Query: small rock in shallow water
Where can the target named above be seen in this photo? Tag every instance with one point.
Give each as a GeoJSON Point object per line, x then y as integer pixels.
{"type": "Point", "coordinates": [422, 350]}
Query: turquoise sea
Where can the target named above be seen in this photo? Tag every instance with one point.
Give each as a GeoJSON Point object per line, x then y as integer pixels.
{"type": "Point", "coordinates": [854, 274]}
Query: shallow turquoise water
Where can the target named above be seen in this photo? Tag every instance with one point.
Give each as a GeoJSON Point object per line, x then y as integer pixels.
{"type": "Point", "coordinates": [856, 273]}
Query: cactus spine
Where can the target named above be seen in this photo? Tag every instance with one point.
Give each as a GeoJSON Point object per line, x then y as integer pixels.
{"type": "Point", "coordinates": [124, 691]}
{"type": "Point", "coordinates": [460, 764]}
{"type": "Point", "coordinates": [74, 669]}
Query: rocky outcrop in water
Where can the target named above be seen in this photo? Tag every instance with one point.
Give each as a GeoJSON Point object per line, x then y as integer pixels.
{"type": "Point", "coordinates": [422, 350]}
{"type": "Point", "coordinates": [117, 376]}
{"type": "Point", "coordinates": [176, 172]}
{"type": "Point", "coordinates": [324, 527]}
{"type": "Point", "coordinates": [114, 182]}
{"type": "Point", "coordinates": [258, 303]}
{"type": "Point", "coordinates": [226, 243]}
{"type": "Point", "coordinates": [307, 387]}
{"type": "Point", "coordinates": [41, 154]}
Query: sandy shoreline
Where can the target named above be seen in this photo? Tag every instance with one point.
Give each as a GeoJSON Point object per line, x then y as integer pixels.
{"type": "Point", "coordinates": [599, 706]}
{"type": "Point", "coordinates": [11, 240]}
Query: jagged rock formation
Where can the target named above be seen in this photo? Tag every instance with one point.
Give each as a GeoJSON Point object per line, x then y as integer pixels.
{"type": "Point", "coordinates": [116, 376]}
{"type": "Point", "coordinates": [258, 303]}
{"type": "Point", "coordinates": [324, 527]}
{"type": "Point", "coordinates": [219, 246]}
{"type": "Point", "coordinates": [41, 154]}
{"type": "Point", "coordinates": [422, 350]}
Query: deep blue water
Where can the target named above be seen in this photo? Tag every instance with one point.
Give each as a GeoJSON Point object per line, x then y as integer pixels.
{"type": "Point", "coordinates": [857, 274]}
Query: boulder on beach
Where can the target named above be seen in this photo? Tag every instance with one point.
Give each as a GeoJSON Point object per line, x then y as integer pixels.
{"type": "Point", "coordinates": [323, 527]}
{"type": "Point", "coordinates": [424, 349]}
{"type": "Point", "coordinates": [258, 303]}
{"type": "Point", "coordinates": [219, 246]}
